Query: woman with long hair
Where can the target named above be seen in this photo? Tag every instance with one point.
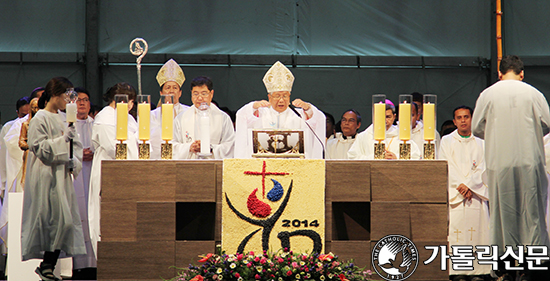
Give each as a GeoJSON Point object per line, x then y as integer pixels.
{"type": "Point", "coordinates": [51, 220]}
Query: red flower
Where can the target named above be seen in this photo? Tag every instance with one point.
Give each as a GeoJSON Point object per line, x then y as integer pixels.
{"type": "Point", "coordinates": [326, 257]}
{"type": "Point", "coordinates": [209, 255]}
{"type": "Point", "coordinates": [239, 257]}
{"type": "Point", "coordinates": [288, 273]}
{"type": "Point", "coordinates": [257, 277]}
{"type": "Point", "coordinates": [342, 277]}
{"type": "Point", "coordinates": [197, 278]}
{"type": "Point", "coordinates": [237, 275]}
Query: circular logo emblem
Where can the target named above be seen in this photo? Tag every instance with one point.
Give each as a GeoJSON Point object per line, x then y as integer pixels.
{"type": "Point", "coordinates": [395, 257]}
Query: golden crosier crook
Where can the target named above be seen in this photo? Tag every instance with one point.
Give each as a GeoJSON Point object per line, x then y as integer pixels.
{"type": "Point", "coordinates": [137, 50]}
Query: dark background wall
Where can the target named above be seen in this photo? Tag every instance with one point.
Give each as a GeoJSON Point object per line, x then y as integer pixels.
{"type": "Point", "coordinates": [341, 52]}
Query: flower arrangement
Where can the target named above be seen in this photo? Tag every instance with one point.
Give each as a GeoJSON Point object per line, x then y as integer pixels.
{"type": "Point", "coordinates": [282, 265]}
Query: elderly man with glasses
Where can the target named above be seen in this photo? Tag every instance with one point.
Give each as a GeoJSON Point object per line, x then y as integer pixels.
{"type": "Point", "coordinates": [276, 114]}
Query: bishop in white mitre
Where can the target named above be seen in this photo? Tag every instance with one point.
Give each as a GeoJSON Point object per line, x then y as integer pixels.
{"type": "Point", "coordinates": [276, 114]}
{"type": "Point", "coordinates": [170, 78]}
{"type": "Point", "coordinates": [468, 194]}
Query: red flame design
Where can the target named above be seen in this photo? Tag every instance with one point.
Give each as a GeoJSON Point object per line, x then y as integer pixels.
{"type": "Point", "coordinates": [257, 207]}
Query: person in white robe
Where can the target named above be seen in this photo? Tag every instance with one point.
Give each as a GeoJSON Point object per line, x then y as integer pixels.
{"type": "Point", "coordinates": [170, 78]}
{"type": "Point", "coordinates": [338, 147]}
{"type": "Point", "coordinates": [104, 146]}
{"type": "Point", "coordinates": [547, 154]}
{"type": "Point", "coordinates": [11, 157]}
{"type": "Point", "coordinates": [468, 194]}
{"type": "Point", "coordinates": [51, 221]}
{"type": "Point", "coordinates": [363, 147]}
{"type": "Point", "coordinates": [276, 114]}
{"type": "Point", "coordinates": [417, 132]}
{"type": "Point", "coordinates": [512, 117]}
{"type": "Point", "coordinates": [82, 265]}
{"type": "Point", "coordinates": [187, 142]}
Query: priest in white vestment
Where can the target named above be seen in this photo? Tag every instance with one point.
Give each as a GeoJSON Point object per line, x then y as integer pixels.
{"type": "Point", "coordinates": [170, 78]}
{"type": "Point", "coordinates": [276, 114]}
{"type": "Point", "coordinates": [512, 117]}
{"type": "Point", "coordinates": [468, 194]}
{"type": "Point", "coordinates": [104, 145]}
{"type": "Point", "coordinates": [339, 145]}
{"type": "Point", "coordinates": [187, 142]}
{"type": "Point", "coordinates": [363, 147]}
{"type": "Point", "coordinates": [84, 124]}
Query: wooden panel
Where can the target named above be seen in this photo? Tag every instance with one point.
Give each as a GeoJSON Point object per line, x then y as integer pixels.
{"type": "Point", "coordinates": [146, 260]}
{"type": "Point", "coordinates": [390, 218]}
{"type": "Point", "coordinates": [188, 251]}
{"type": "Point", "coordinates": [118, 220]}
{"type": "Point", "coordinates": [348, 181]}
{"type": "Point", "coordinates": [218, 226]}
{"type": "Point", "coordinates": [431, 271]}
{"type": "Point", "coordinates": [351, 221]}
{"type": "Point", "coordinates": [409, 180]}
{"type": "Point", "coordinates": [196, 181]}
{"type": "Point", "coordinates": [156, 221]}
{"type": "Point", "coordinates": [142, 180]}
{"type": "Point", "coordinates": [328, 221]}
{"type": "Point", "coordinates": [359, 251]}
{"type": "Point", "coordinates": [429, 222]}
{"type": "Point", "coordinates": [219, 181]}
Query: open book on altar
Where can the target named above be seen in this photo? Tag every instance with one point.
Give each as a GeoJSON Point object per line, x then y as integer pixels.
{"type": "Point", "coordinates": [278, 143]}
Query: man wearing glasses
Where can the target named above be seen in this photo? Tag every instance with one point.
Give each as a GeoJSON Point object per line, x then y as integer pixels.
{"type": "Point", "coordinates": [275, 114]}
{"type": "Point", "coordinates": [187, 144]}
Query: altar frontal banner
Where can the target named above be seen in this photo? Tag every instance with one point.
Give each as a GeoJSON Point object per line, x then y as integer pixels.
{"type": "Point", "coordinates": [269, 204]}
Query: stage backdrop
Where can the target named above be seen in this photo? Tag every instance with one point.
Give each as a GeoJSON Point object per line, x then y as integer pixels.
{"type": "Point", "coordinates": [269, 204]}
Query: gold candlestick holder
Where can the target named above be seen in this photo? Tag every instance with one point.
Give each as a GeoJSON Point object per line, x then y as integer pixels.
{"type": "Point", "coordinates": [379, 150]}
{"type": "Point", "coordinates": [166, 151]}
{"type": "Point", "coordinates": [121, 151]}
{"type": "Point", "coordinates": [405, 150]}
{"type": "Point", "coordinates": [429, 151]}
{"type": "Point", "coordinates": [144, 151]}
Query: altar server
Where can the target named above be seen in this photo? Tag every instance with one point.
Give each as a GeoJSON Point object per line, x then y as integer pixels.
{"type": "Point", "coordinates": [84, 266]}
{"type": "Point", "coordinates": [170, 78]}
{"type": "Point", "coordinates": [275, 114]}
{"type": "Point", "coordinates": [338, 147]}
{"type": "Point", "coordinates": [104, 144]}
{"type": "Point", "coordinates": [51, 221]}
{"type": "Point", "coordinates": [468, 194]}
{"type": "Point", "coordinates": [512, 117]}
{"type": "Point", "coordinates": [363, 147]}
{"type": "Point", "coordinates": [187, 143]}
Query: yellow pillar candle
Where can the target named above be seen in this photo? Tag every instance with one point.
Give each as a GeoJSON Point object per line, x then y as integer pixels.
{"type": "Point", "coordinates": [121, 121]}
{"type": "Point", "coordinates": [379, 121]}
{"type": "Point", "coordinates": [167, 121]}
{"type": "Point", "coordinates": [405, 121]}
{"type": "Point", "coordinates": [429, 121]}
{"type": "Point", "coordinates": [144, 119]}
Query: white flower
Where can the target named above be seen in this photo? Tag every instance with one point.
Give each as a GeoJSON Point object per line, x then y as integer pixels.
{"type": "Point", "coordinates": [232, 265]}
{"type": "Point", "coordinates": [219, 271]}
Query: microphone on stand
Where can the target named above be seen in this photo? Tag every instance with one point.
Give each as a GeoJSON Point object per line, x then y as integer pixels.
{"type": "Point", "coordinates": [293, 108]}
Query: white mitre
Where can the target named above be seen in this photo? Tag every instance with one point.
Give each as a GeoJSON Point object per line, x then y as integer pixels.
{"type": "Point", "coordinates": [170, 71]}
{"type": "Point", "coordinates": [278, 78]}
